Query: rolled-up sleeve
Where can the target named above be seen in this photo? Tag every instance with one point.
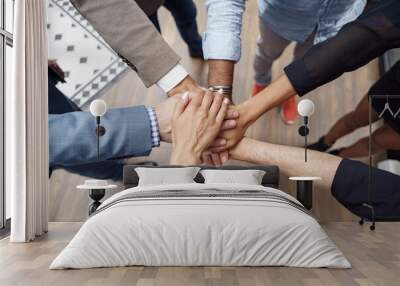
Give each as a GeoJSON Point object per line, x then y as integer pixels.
{"type": "Point", "coordinates": [221, 41]}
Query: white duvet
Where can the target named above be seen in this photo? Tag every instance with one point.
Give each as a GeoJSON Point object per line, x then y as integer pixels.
{"type": "Point", "coordinates": [200, 231]}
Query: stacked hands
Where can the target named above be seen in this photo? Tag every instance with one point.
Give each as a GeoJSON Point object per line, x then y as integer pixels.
{"type": "Point", "coordinates": [205, 127]}
{"type": "Point", "coordinates": [208, 129]}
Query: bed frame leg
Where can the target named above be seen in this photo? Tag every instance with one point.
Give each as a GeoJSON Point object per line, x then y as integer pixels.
{"type": "Point", "coordinates": [372, 209]}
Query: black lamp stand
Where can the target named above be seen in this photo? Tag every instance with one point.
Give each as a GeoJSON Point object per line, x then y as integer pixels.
{"type": "Point", "coordinates": [304, 131]}
{"type": "Point", "coordinates": [100, 131]}
{"type": "Point", "coordinates": [97, 194]}
{"type": "Point", "coordinates": [305, 187]}
{"type": "Point", "coordinates": [368, 205]}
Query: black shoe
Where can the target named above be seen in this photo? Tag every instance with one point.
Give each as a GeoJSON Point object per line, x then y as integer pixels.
{"type": "Point", "coordinates": [336, 151]}
{"type": "Point", "coordinates": [197, 54]}
{"type": "Point", "coordinates": [319, 146]}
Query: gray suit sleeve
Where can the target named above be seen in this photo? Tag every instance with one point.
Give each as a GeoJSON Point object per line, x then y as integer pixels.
{"type": "Point", "coordinates": [72, 137]}
{"type": "Point", "coordinates": [127, 29]}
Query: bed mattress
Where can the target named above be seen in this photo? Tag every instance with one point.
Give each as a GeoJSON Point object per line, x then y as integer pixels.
{"type": "Point", "coordinates": [201, 225]}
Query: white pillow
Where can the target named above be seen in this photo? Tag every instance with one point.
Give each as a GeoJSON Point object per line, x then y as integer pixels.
{"type": "Point", "coordinates": [247, 177]}
{"type": "Point", "coordinates": [166, 176]}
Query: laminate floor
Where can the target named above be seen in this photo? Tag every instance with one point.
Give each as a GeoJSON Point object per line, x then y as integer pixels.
{"type": "Point", "coordinates": [375, 257]}
{"type": "Point", "coordinates": [332, 101]}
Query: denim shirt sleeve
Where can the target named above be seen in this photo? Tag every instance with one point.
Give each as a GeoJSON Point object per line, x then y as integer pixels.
{"type": "Point", "coordinates": [338, 14]}
{"type": "Point", "coordinates": [221, 41]}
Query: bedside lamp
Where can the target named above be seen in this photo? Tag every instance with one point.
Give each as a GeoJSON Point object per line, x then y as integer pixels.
{"type": "Point", "coordinates": [305, 184]}
{"type": "Point", "coordinates": [305, 109]}
{"type": "Point", "coordinates": [97, 188]}
{"type": "Point", "coordinates": [98, 108]}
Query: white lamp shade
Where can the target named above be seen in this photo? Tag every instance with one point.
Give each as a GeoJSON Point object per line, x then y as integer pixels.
{"type": "Point", "coordinates": [98, 107]}
{"type": "Point", "coordinates": [305, 107]}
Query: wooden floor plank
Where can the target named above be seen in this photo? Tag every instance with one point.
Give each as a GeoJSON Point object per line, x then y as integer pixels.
{"type": "Point", "coordinates": [374, 261]}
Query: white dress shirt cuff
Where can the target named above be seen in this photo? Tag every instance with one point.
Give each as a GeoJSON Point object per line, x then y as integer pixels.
{"type": "Point", "coordinates": [172, 78]}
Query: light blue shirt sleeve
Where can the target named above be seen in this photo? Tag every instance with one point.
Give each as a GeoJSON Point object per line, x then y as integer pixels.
{"type": "Point", "coordinates": [338, 14]}
{"type": "Point", "coordinates": [221, 41]}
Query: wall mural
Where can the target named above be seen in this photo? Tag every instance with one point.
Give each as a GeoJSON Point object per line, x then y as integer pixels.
{"type": "Point", "coordinates": [89, 63]}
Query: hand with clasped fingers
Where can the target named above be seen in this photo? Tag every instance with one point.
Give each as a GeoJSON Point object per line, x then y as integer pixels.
{"type": "Point", "coordinates": [196, 124]}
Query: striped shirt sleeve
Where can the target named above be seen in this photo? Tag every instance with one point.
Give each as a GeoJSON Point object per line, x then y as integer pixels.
{"type": "Point", "coordinates": [155, 130]}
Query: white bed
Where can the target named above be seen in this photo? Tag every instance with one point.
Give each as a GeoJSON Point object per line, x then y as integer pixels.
{"type": "Point", "coordinates": [267, 229]}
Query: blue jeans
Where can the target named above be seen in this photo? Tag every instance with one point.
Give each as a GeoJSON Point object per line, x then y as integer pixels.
{"type": "Point", "coordinates": [184, 13]}
{"type": "Point", "coordinates": [58, 104]}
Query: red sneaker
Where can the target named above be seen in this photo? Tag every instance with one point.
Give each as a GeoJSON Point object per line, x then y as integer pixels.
{"type": "Point", "coordinates": [289, 113]}
{"type": "Point", "coordinates": [257, 88]}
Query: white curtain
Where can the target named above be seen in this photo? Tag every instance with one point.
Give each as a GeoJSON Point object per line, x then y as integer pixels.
{"type": "Point", "coordinates": [27, 123]}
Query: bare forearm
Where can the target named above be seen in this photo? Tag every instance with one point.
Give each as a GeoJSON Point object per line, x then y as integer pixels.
{"type": "Point", "coordinates": [275, 94]}
{"type": "Point", "coordinates": [220, 72]}
{"type": "Point", "coordinates": [289, 159]}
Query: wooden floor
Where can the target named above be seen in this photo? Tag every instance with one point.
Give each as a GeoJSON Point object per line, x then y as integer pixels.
{"type": "Point", "coordinates": [375, 257]}
{"type": "Point", "coordinates": [332, 101]}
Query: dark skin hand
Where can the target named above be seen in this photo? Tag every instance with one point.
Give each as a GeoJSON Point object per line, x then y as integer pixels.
{"type": "Point", "coordinates": [220, 73]}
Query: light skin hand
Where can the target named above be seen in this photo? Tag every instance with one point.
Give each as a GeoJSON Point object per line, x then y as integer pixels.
{"type": "Point", "coordinates": [219, 158]}
{"type": "Point", "coordinates": [272, 96]}
{"type": "Point", "coordinates": [187, 85]}
{"type": "Point", "coordinates": [165, 110]}
{"type": "Point", "coordinates": [250, 110]}
{"type": "Point", "coordinates": [215, 159]}
{"type": "Point", "coordinates": [233, 136]}
{"type": "Point", "coordinates": [195, 125]}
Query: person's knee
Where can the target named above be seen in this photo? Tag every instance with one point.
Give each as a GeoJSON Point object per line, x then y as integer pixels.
{"type": "Point", "coordinates": [268, 50]}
